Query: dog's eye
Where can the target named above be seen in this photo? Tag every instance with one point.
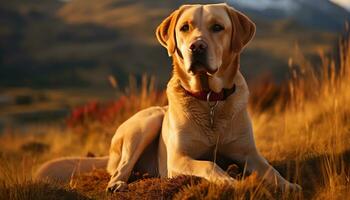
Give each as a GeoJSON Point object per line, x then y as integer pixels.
{"type": "Point", "coordinates": [185, 28]}
{"type": "Point", "coordinates": [217, 28]}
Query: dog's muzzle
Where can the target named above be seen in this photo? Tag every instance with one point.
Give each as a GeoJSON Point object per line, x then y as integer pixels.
{"type": "Point", "coordinates": [199, 60]}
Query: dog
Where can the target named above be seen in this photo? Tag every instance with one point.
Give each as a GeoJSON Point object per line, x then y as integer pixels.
{"type": "Point", "coordinates": [206, 117]}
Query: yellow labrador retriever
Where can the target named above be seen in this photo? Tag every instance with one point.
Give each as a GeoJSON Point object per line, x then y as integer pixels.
{"type": "Point", "coordinates": [206, 116]}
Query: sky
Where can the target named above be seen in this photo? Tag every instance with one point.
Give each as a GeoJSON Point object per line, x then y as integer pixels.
{"type": "Point", "coordinates": [344, 3]}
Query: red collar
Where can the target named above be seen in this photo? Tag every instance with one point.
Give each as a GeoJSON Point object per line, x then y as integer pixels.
{"type": "Point", "coordinates": [213, 96]}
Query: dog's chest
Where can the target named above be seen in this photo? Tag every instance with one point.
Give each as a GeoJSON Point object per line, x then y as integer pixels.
{"type": "Point", "coordinates": [211, 128]}
{"type": "Point", "coordinates": [193, 119]}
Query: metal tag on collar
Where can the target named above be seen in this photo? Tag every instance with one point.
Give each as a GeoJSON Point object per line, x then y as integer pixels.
{"type": "Point", "coordinates": [211, 107]}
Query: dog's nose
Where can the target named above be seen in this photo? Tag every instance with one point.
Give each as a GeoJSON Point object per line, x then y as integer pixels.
{"type": "Point", "coordinates": [198, 46]}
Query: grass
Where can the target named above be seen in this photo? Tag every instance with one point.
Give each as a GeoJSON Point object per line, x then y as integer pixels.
{"type": "Point", "coordinates": [302, 128]}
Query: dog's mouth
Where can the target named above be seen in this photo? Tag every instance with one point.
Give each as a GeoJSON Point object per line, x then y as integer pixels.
{"type": "Point", "coordinates": [200, 67]}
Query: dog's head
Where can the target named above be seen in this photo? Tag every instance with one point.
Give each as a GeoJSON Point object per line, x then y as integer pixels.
{"type": "Point", "coordinates": [205, 42]}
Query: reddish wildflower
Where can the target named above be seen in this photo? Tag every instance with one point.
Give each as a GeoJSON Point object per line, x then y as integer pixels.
{"type": "Point", "coordinates": [95, 111]}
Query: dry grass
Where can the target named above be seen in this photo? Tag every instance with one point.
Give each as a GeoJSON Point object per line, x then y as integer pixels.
{"type": "Point", "coordinates": [303, 130]}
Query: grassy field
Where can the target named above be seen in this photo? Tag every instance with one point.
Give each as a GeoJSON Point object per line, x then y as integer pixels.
{"type": "Point", "coordinates": [302, 128]}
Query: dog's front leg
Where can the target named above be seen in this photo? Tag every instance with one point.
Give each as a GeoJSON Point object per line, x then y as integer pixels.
{"type": "Point", "coordinates": [246, 153]}
{"type": "Point", "coordinates": [242, 149]}
{"type": "Point", "coordinates": [130, 140]}
{"type": "Point", "coordinates": [182, 164]}
{"type": "Point", "coordinates": [256, 163]}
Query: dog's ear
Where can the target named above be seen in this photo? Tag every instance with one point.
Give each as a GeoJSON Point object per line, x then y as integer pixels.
{"type": "Point", "coordinates": [243, 29]}
{"type": "Point", "coordinates": [166, 32]}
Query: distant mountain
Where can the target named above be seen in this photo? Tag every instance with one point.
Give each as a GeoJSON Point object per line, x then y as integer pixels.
{"type": "Point", "coordinates": [284, 5]}
{"type": "Point", "coordinates": [320, 14]}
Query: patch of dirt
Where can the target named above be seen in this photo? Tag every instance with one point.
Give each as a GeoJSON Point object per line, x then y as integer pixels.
{"type": "Point", "coordinates": [141, 186]}
{"type": "Point", "coordinates": [94, 184]}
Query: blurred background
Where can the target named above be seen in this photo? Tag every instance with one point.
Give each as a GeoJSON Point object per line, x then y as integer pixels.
{"type": "Point", "coordinates": [58, 54]}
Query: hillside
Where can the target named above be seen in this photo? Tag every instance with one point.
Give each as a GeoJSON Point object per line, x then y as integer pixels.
{"type": "Point", "coordinates": [81, 42]}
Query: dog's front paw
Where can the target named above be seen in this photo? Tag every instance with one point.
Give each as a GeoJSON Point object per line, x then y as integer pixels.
{"type": "Point", "coordinates": [116, 186]}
